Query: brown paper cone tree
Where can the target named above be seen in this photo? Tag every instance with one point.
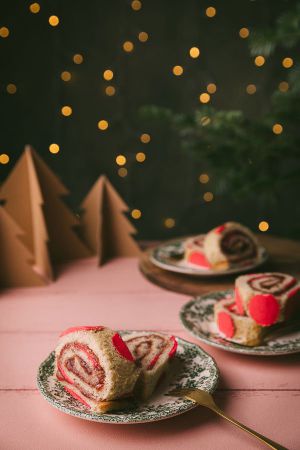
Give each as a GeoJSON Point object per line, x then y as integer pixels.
{"type": "Point", "coordinates": [16, 262]}
{"type": "Point", "coordinates": [105, 228]}
{"type": "Point", "coordinates": [32, 195]}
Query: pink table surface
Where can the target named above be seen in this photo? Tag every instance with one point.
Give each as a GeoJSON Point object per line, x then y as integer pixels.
{"type": "Point", "coordinates": [263, 393]}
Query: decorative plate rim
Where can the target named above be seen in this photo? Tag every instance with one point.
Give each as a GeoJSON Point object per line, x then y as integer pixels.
{"type": "Point", "coordinates": [187, 405]}
{"type": "Point", "coordinates": [195, 272]}
{"type": "Point", "coordinates": [231, 346]}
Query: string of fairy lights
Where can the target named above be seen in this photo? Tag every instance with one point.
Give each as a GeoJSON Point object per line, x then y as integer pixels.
{"type": "Point", "coordinates": [110, 90]}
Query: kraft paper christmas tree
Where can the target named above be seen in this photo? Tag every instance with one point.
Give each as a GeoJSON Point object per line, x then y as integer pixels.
{"type": "Point", "coordinates": [16, 262]}
{"type": "Point", "coordinates": [32, 195]}
{"type": "Point", "coordinates": [105, 228]}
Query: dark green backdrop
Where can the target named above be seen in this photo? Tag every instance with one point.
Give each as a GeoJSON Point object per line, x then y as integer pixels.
{"type": "Point", "coordinates": [166, 184]}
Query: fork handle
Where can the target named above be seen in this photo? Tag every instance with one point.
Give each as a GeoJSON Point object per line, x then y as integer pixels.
{"type": "Point", "coordinates": [262, 438]}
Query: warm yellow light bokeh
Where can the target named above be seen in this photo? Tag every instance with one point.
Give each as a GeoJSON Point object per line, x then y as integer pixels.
{"type": "Point", "coordinates": [54, 148]}
{"type": "Point", "coordinates": [277, 128]}
{"type": "Point", "coordinates": [77, 58]}
{"type": "Point", "coordinates": [263, 226]}
{"type": "Point", "coordinates": [145, 138]}
{"type": "Point", "coordinates": [287, 63]}
{"type": "Point", "coordinates": [251, 89]}
{"type": "Point", "coordinates": [208, 196]}
{"type": "Point", "coordinates": [122, 172]}
{"type": "Point", "coordinates": [136, 5]}
{"type": "Point", "coordinates": [136, 214]}
{"type": "Point", "coordinates": [128, 46]}
{"type": "Point", "coordinates": [259, 61]}
{"type": "Point", "coordinates": [53, 21]}
{"type": "Point", "coordinates": [110, 91]}
{"type": "Point", "coordinates": [121, 160]}
{"type": "Point", "coordinates": [169, 222]}
{"type": "Point", "coordinates": [283, 86]}
{"type": "Point", "coordinates": [11, 88]}
{"type": "Point", "coordinates": [102, 125]}
{"type": "Point", "coordinates": [177, 70]}
{"type": "Point", "coordinates": [143, 36]}
{"type": "Point", "coordinates": [34, 8]}
{"type": "Point", "coordinates": [204, 98]}
{"type": "Point", "coordinates": [211, 88]}
{"type": "Point", "coordinates": [194, 52]}
{"type": "Point", "coordinates": [65, 75]}
{"type": "Point", "coordinates": [108, 75]}
{"type": "Point", "coordinates": [66, 111]}
{"type": "Point", "coordinates": [244, 33]}
{"type": "Point", "coordinates": [203, 178]}
{"type": "Point", "coordinates": [211, 11]}
{"type": "Point", "coordinates": [140, 157]}
{"type": "Point", "coordinates": [4, 158]}
{"type": "Point", "coordinates": [4, 32]}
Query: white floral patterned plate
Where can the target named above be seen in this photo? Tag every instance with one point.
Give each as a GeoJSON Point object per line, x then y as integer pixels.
{"type": "Point", "coordinates": [170, 256]}
{"type": "Point", "coordinates": [197, 316]}
{"type": "Point", "coordinates": [192, 367]}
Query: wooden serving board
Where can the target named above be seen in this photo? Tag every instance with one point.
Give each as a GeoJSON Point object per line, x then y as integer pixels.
{"type": "Point", "coordinates": [284, 257]}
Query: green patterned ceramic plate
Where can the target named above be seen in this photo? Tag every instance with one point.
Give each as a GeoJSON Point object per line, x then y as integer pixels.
{"type": "Point", "coordinates": [197, 317]}
{"type": "Point", "coordinates": [170, 256]}
{"type": "Point", "coordinates": [192, 367]}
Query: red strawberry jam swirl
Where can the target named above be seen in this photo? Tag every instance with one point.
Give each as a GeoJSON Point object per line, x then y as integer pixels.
{"type": "Point", "coordinates": [275, 283]}
{"type": "Point", "coordinates": [238, 246]}
{"type": "Point", "coordinates": [78, 365]}
{"type": "Point", "coordinates": [147, 349]}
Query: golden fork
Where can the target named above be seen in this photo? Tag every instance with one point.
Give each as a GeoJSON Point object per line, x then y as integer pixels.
{"type": "Point", "coordinates": [203, 398]}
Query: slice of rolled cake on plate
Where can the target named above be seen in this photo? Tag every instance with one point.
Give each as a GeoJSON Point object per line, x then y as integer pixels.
{"type": "Point", "coordinates": [153, 353]}
{"type": "Point", "coordinates": [95, 366]}
{"type": "Point", "coordinates": [194, 252]}
{"type": "Point", "coordinates": [267, 298]}
{"type": "Point", "coordinates": [230, 244]}
{"type": "Point", "coordinates": [234, 326]}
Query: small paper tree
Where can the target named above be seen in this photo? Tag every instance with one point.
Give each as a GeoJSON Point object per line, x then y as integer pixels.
{"type": "Point", "coordinates": [105, 228]}
{"type": "Point", "coordinates": [16, 262]}
{"type": "Point", "coordinates": [32, 197]}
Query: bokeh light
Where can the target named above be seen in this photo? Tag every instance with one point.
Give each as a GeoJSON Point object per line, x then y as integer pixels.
{"type": "Point", "coordinates": [4, 32]}
{"type": "Point", "coordinates": [205, 120]}
{"type": "Point", "coordinates": [169, 222]}
{"type": "Point", "coordinates": [140, 157]}
{"type": "Point", "coordinates": [34, 8]}
{"type": "Point", "coordinates": [177, 70]}
{"type": "Point", "coordinates": [121, 160]}
{"type": "Point", "coordinates": [128, 46]}
{"type": "Point", "coordinates": [66, 111]}
{"type": "Point", "coordinates": [211, 88]}
{"type": "Point", "coordinates": [204, 98]}
{"type": "Point", "coordinates": [211, 11]}
{"type": "Point", "coordinates": [11, 88]}
{"type": "Point", "coordinates": [208, 196]}
{"type": "Point", "coordinates": [263, 226]}
{"type": "Point", "coordinates": [203, 178]}
{"type": "Point", "coordinates": [143, 36]}
{"type": "Point", "coordinates": [4, 158]}
{"type": "Point", "coordinates": [136, 5]}
{"type": "Point", "coordinates": [136, 214]}
{"type": "Point", "coordinates": [259, 61]}
{"type": "Point", "coordinates": [54, 148]}
{"type": "Point", "coordinates": [78, 58]}
{"type": "Point", "coordinates": [110, 91]}
{"type": "Point", "coordinates": [283, 86]}
{"type": "Point", "coordinates": [65, 75]}
{"type": "Point", "coordinates": [122, 172]}
{"type": "Point", "coordinates": [277, 128]}
{"type": "Point", "coordinates": [244, 33]}
{"type": "Point", "coordinates": [287, 63]}
{"type": "Point", "coordinates": [194, 52]}
{"type": "Point", "coordinates": [251, 89]}
{"type": "Point", "coordinates": [53, 21]}
{"type": "Point", "coordinates": [108, 75]}
{"type": "Point", "coordinates": [102, 124]}
{"type": "Point", "coordinates": [145, 138]}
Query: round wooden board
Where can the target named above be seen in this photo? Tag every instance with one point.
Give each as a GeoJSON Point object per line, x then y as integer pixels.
{"type": "Point", "coordinates": [284, 257]}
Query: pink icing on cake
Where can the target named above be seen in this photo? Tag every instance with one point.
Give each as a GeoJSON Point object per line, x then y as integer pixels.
{"type": "Point", "coordinates": [220, 229]}
{"type": "Point", "coordinates": [172, 352]}
{"type": "Point", "coordinates": [225, 324]}
{"type": "Point", "coordinates": [264, 309]}
{"type": "Point", "coordinates": [75, 395]}
{"type": "Point", "coordinates": [238, 301]}
{"type": "Point", "coordinates": [199, 259]}
{"type": "Point", "coordinates": [82, 328]}
{"type": "Point", "coordinates": [121, 347]}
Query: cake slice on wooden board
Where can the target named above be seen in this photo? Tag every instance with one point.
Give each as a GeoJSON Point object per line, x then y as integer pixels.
{"type": "Point", "coordinates": [95, 366]}
{"type": "Point", "coordinates": [153, 353]}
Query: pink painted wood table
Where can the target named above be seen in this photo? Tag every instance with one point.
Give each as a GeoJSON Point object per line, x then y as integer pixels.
{"type": "Point", "coordinates": [263, 393]}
